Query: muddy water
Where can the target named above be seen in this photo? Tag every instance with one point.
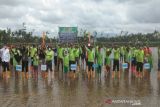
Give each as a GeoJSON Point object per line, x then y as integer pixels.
{"type": "Point", "coordinates": [81, 92]}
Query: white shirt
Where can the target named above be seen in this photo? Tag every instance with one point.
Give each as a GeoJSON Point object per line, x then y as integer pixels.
{"type": "Point", "coordinates": [5, 55]}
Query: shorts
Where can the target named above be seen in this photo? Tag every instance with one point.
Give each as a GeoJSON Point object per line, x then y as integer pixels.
{"type": "Point", "coordinates": [49, 65]}
{"type": "Point", "coordinates": [107, 67]}
{"type": "Point", "coordinates": [86, 59]}
{"type": "Point", "coordinates": [25, 66]}
{"type": "Point", "coordinates": [35, 67]}
{"type": "Point", "coordinates": [139, 66]}
{"type": "Point", "coordinates": [31, 61]}
{"type": "Point", "coordinates": [115, 64]}
{"type": "Point", "coordinates": [158, 64]}
{"type": "Point", "coordinates": [83, 56]}
{"type": "Point", "coordinates": [55, 60]}
{"type": "Point", "coordinates": [66, 69]}
{"type": "Point", "coordinates": [99, 69]}
{"type": "Point", "coordinates": [77, 60]}
{"type": "Point", "coordinates": [11, 61]}
{"type": "Point", "coordinates": [90, 66]}
{"type": "Point", "coordinates": [133, 61]}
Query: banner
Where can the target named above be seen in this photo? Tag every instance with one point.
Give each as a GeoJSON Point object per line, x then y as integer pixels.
{"type": "Point", "coordinates": [124, 65]}
{"type": "Point", "coordinates": [146, 66]}
{"type": "Point", "coordinates": [73, 67]}
{"type": "Point", "coordinates": [18, 67]}
{"type": "Point", "coordinates": [43, 67]}
{"type": "Point", "coordinates": [68, 34]}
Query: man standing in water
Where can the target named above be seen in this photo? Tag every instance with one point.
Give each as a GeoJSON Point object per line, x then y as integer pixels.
{"type": "Point", "coordinates": [5, 61]}
{"type": "Point", "coordinates": [91, 60]}
{"type": "Point", "coordinates": [49, 58]}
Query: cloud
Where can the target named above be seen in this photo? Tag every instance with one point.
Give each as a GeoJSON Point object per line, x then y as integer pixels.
{"type": "Point", "coordinates": [101, 15]}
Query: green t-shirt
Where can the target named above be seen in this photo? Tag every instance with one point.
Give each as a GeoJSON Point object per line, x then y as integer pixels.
{"type": "Point", "coordinates": [35, 60]}
{"type": "Point", "coordinates": [107, 59]}
{"type": "Point", "coordinates": [49, 55]}
{"type": "Point", "coordinates": [116, 54]}
{"type": "Point", "coordinates": [66, 60]}
{"type": "Point", "coordinates": [72, 54]}
{"type": "Point", "coordinates": [140, 56]}
{"type": "Point", "coordinates": [60, 52]}
{"type": "Point", "coordinates": [33, 51]}
{"type": "Point", "coordinates": [77, 52]}
{"type": "Point", "coordinates": [99, 58]}
{"type": "Point", "coordinates": [91, 55]}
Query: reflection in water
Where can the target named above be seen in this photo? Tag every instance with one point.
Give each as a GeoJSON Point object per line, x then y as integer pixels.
{"type": "Point", "coordinates": [79, 92]}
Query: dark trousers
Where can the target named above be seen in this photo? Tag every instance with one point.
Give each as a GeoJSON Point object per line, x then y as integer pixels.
{"type": "Point", "coordinates": [25, 66]}
{"type": "Point", "coordinates": [5, 66]}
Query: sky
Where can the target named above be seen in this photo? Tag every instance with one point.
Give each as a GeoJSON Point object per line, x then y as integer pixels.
{"type": "Point", "coordinates": [107, 16]}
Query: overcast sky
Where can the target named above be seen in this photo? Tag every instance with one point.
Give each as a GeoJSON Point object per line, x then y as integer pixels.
{"type": "Point", "coordinates": [100, 15]}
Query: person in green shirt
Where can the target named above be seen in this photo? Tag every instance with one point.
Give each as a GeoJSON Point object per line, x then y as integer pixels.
{"type": "Point", "coordinates": [122, 53]}
{"type": "Point", "coordinates": [66, 62]}
{"type": "Point", "coordinates": [72, 60]}
{"type": "Point", "coordinates": [33, 51]}
{"type": "Point", "coordinates": [60, 56]}
{"type": "Point", "coordinates": [91, 60]}
{"type": "Point", "coordinates": [49, 58]}
{"type": "Point", "coordinates": [140, 61]}
{"type": "Point", "coordinates": [148, 58]}
{"type": "Point", "coordinates": [107, 61]}
{"type": "Point", "coordinates": [133, 59]}
{"type": "Point", "coordinates": [35, 65]}
{"type": "Point", "coordinates": [127, 57]}
{"type": "Point", "coordinates": [99, 61]}
{"type": "Point", "coordinates": [116, 52]}
{"type": "Point", "coordinates": [77, 56]}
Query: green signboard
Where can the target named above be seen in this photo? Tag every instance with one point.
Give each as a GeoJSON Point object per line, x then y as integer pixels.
{"type": "Point", "coordinates": [68, 30]}
{"type": "Point", "coordinates": [68, 34]}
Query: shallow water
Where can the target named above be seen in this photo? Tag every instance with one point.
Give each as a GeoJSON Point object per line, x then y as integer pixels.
{"type": "Point", "coordinates": [81, 92]}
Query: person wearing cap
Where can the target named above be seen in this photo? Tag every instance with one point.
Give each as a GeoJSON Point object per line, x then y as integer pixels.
{"type": "Point", "coordinates": [5, 61]}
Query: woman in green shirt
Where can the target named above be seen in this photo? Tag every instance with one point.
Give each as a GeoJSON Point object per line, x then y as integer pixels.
{"type": "Point", "coordinates": [116, 52]}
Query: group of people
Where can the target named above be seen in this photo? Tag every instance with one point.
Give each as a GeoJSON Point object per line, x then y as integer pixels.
{"type": "Point", "coordinates": [63, 58]}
